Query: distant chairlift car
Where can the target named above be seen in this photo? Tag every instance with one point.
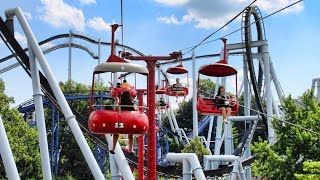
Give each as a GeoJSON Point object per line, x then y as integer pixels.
{"type": "Point", "coordinates": [172, 90]}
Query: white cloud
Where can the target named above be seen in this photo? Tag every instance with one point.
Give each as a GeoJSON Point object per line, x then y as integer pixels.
{"type": "Point", "coordinates": [173, 2]}
{"type": "Point", "coordinates": [98, 24]}
{"type": "Point", "coordinates": [28, 15]}
{"type": "Point", "coordinates": [169, 20]}
{"type": "Point", "coordinates": [88, 2]}
{"type": "Point", "coordinates": [20, 38]}
{"type": "Point", "coordinates": [274, 5]}
{"type": "Point", "coordinates": [60, 14]}
{"type": "Point", "coordinates": [209, 14]}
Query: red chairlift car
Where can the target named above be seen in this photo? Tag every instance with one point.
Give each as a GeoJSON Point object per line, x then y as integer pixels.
{"type": "Point", "coordinates": [112, 121]}
{"type": "Point", "coordinates": [206, 105]}
{"type": "Point", "coordinates": [171, 90]}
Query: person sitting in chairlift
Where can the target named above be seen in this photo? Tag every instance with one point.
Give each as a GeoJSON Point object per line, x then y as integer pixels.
{"type": "Point", "coordinates": [161, 104]}
{"type": "Point", "coordinates": [126, 104]}
{"type": "Point", "coordinates": [125, 85]}
{"type": "Point", "coordinates": [179, 89]}
{"type": "Point", "coordinates": [223, 104]}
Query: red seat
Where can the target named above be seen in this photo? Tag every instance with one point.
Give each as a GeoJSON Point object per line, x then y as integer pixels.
{"type": "Point", "coordinates": [172, 92]}
{"type": "Point", "coordinates": [118, 122]}
{"type": "Point", "coordinates": [116, 92]}
{"type": "Point", "coordinates": [163, 107]}
{"type": "Point", "coordinates": [208, 106]}
{"type": "Point", "coordinates": [161, 91]}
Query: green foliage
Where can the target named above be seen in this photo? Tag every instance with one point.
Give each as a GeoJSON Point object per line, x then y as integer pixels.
{"type": "Point", "coordinates": [197, 147]}
{"type": "Point", "coordinates": [294, 145]}
{"type": "Point", "coordinates": [72, 162]}
{"type": "Point", "coordinates": [207, 87]}
{"type": "Point", "coordinates": [174, 147]}
{"type": "Point", "coordinates": [23, 140]}
{"type": "Point", "coordinates": [311, 171]}
{"type": "Point", "coordinates": [268, 162]}
{"type": "Point", "coordinates": [184, 114]}
{"type": "Point", "coordinates": [66, 177]}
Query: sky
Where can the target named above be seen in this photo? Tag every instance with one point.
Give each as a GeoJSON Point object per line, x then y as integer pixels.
{"type": "Point", "coordinates": [159, 27]}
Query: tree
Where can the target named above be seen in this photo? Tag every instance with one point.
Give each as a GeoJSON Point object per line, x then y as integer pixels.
{"type": "Point", "coordinates": [311, 171]}
{"type": "Point", "coordinates": [207, 87]}
{"type": "Point", "coordinates": [294, 145]}
{"type": "Point", "coordinates": [72, 161]}
{"type": "Point", "coordinates": [23, 140]}
{"type": "Point", "coordinates": [197, 147]}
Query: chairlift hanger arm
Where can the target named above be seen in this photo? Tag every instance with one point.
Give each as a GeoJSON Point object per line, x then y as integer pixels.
{"type": "Point", "coordinates": [198, 57]}
{"type": "Point", "coordinates": [174, 55]}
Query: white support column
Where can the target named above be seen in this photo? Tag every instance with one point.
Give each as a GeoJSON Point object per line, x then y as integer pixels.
{"type": "Point", "coordinates": [159, 78]}
{"type": "Point", "coordinates": [227, 127]}
{"type": "Point", "coordinates": [6, 155]}
{"type": "Point", "coordinates": [174, 120]}
{"type": "Point", "coordinates": [114, 168]}
{"type": "Point", "coordinates": [235, 171]}
{"type": "Point", "coordinates": [172, 126]}
{"type": "Point", "coordinates": [247, 106]}
{"type": "Point", "coordinates": [70, 56]}
{"type": "Point", "coordinates": [69, 116]}
{"type": "Point", "coordinates": [187, 172]}
{"type": "Point", "coordinates": [193, 162]}
{"type": "Point", "coordinates": [240, 89]}
{"type": "Point", "coordinates": [318, 90]}
{"type": "Point", "coordinates": [228, 139]}
{"type": "Point", "coordinates": [115, 75]}
{"type": "Point", "coordinates": [217, 86]}
{"type": "Point", "coordinates": [275, 108]}
{"type": "Point", "coordinates": [241, 171]}
{"type": "Point", "coordinates": [276, 82]}
{"type": "Point", "coordinates": [121, 161]}
{"type": "Point", "coordinates": [218, 140]}
{"type": "Point", "coordinates": [39, 113]}
{"type": "Point", "coordinates": [159, 87]}
{"type": "Point", "coordinates": [194, 102]}
{"type": "Point", "coordinates": [99, 55]}
{"type": "Point", "coordinates": [209, 133]}
{"type": "Point", "coordinates": [271, 133]}
{"type": "Point", "coordinates": [313, 85]}
{"type": "Point", "coordinates": [223, 82]}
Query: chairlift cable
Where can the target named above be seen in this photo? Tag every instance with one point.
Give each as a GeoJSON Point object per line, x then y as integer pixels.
{"type": "Point", "coordinates": [261, 113]}
{"type": "Point", "coordinates": [265, 17]}
{"type": "Point", "coordinates": [235, 17]}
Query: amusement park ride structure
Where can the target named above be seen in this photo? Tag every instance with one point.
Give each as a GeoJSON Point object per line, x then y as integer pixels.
{"type": "Point", "coordinates": [100, 121]}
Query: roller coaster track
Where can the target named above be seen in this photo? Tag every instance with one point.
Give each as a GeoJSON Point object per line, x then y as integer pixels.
{"type": "Point", "coordinates": [65, 44]}
{"type": "Point", "coordinates": [256, 84]}
{"type": "Point", "coordinates": [22, 57]}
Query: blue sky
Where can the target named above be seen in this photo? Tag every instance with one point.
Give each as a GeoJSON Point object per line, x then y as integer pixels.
{"type": "Point", "coordinates": [159, 27]}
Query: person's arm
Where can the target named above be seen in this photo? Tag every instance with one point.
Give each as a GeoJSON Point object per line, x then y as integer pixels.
{"type": "Point", "coordinates": [116, 105]}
